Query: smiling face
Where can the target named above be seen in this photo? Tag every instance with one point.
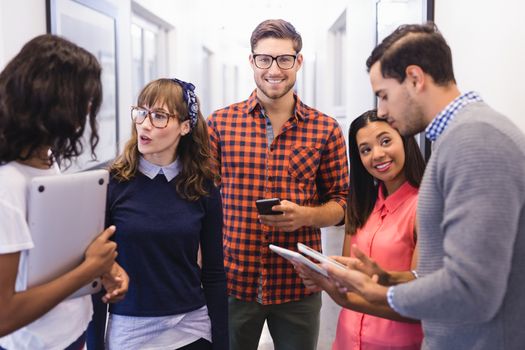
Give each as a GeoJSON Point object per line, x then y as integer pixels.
{"type": "Point", "coordinates": [159, 146]}
{"type": "Point", "coordinates": [275, 83]}
{"type": "Point", "coordinates": [396, 104]}
{"type": "Point", "coordinates": [382, 153]}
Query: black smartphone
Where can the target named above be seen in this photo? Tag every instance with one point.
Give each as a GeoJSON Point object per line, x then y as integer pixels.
{"type": "Point", "coordinates": [264, 206]}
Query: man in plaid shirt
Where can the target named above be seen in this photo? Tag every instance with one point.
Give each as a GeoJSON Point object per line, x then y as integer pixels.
{"type": "Point", "coordinates": [273, 145]}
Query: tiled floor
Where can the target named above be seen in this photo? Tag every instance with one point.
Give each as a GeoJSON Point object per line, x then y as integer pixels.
{"type": "Point", "coordinates": [332, 238]}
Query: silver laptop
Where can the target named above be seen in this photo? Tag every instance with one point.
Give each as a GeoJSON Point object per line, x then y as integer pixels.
{"type": "Point", "coordinates": [65, 213]}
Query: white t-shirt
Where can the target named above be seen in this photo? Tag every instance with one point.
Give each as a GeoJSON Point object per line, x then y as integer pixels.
{"type": "Point", "coordinates": [63, 324]}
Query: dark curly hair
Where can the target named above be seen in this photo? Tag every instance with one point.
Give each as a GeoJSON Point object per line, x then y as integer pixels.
{"type": "Point", "coordinates": [47, 91]}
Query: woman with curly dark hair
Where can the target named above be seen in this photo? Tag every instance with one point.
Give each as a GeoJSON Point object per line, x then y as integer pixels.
{"type": "Point", "coordinates": [47, 93]}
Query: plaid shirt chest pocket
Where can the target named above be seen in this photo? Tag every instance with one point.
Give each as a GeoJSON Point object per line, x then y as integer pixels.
{"type": "Point", "coordinates": [303, 163]}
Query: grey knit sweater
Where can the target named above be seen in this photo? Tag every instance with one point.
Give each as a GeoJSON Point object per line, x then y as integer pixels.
{"type": "Point", "coordinates": [471, 290]}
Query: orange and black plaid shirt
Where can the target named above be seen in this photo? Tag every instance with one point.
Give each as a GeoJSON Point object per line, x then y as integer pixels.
{"type": "Point", "coordinates": [305, 163]}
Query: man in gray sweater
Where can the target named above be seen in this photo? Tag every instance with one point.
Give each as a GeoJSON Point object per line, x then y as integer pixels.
{"type": "Point", "coordinates": [470, 290]}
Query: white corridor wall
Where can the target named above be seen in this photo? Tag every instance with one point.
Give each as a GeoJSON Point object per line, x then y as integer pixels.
{"type": "Point", "coordinates": [487, 39]}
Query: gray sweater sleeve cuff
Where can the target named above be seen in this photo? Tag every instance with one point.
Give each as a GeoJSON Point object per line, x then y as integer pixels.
{"type": "Point", "coordinates": [390, 299]}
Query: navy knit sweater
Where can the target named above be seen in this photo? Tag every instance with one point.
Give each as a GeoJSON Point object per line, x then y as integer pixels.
{"type": "Point", "coordinates": [158, 235]}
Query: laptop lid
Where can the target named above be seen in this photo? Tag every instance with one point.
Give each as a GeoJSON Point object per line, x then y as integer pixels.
{"type": "Point", "coordinates": [65, 213]}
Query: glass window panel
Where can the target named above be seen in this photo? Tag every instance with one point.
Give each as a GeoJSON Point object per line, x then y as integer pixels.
{"type": "Point", "coordinates": [136, 53]}
{"type": "Point", "coordinates": [150, 55]}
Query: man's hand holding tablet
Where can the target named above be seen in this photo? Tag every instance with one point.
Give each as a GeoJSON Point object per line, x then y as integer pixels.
{"type": "Point", "coordinates": [314, 254]}
{"type": "Point", "coordinates": [298, 258]}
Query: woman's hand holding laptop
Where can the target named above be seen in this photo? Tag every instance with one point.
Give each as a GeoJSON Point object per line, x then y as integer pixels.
{"type": "Point", "coordinates": [100, 254]}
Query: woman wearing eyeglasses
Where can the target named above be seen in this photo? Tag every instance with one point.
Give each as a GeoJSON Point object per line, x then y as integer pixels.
{"type": "Point", "coordinates": [163, 199]}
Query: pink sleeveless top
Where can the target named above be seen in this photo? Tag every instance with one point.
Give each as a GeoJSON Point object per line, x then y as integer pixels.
{"type": "Point", "coordinates": [388, 238]}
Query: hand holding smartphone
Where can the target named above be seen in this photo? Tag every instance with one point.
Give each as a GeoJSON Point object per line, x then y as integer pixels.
{"type": "Point", "coordinates": [264, 206]}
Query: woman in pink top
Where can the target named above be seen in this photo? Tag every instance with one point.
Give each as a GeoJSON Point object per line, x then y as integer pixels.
{"type": "Point", "coordinates": [385, 173]}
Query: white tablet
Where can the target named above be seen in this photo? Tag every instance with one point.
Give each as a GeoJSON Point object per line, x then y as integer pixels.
{"type": "Point", "coordinates": [312, 253]}
{"type": "Point", "coordinates": [65, 213]}
{"type": "Point", "coordinates": [295, 256]}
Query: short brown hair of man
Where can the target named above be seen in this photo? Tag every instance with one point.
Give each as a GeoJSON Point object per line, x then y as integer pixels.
{"type": "Point", "coordinates": [277, 29]}
{"type": "Point", "coordinates": [414, 44]}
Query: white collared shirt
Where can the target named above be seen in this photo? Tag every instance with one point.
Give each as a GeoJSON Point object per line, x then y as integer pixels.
{"type": "Point", "coordinates": [151, 170]}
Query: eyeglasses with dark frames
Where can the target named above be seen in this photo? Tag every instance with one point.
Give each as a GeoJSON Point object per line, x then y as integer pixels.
{"type": "Point", "coordinates": [265, 61]}
{"type": "Point", "coordinates": [159, 119]}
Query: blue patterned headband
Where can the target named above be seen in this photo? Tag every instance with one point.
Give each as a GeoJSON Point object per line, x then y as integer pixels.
{"type": "Point", "coordinates": [190, 99]}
